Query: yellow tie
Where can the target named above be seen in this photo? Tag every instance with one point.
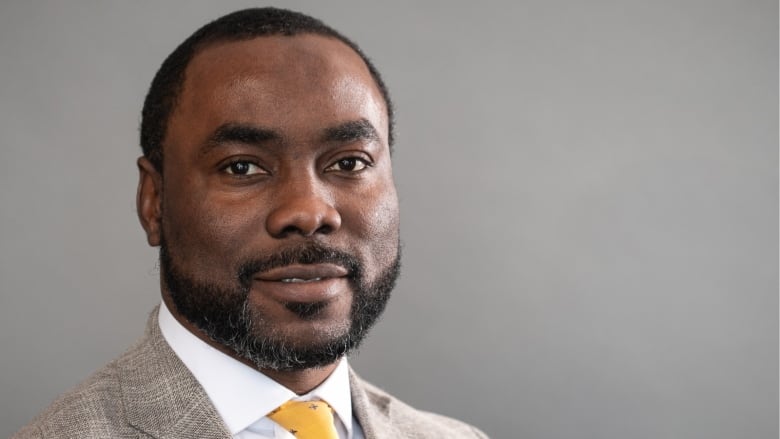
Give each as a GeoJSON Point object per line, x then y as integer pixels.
{"type": "Point", "coordinates": [306, 419]}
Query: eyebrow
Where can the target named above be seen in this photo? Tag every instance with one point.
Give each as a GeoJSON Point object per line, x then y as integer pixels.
{"type": "Point", "coordinates": [346, 132]}
{"type": "Point", "coordinates": [351, 131]}
{"type": "Point", "coordinates": [239, 133]}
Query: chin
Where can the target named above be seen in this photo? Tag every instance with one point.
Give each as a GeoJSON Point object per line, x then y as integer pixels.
{"type": "Point", "coordinates": [298, 346]}
{"type": "Point", "coordinates": [302, 325]}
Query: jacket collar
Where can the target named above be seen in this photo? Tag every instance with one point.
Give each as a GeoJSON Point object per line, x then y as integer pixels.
{"type": "Point", "coordinates": [372, 409]}
{"type": "Point", "coordinates": [159, 394]}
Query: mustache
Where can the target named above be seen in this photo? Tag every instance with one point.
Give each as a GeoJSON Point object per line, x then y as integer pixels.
{"type": "Point", "coordinates": [311, 253]}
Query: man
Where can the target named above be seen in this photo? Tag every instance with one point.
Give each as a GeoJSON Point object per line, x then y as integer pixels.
{"type": "Point", "coordinates": [266, 181]}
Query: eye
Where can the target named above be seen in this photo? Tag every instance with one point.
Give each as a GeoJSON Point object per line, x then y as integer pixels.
{"type": "Point", "coordinates": [243, 167]}
{"type": "Point", "coordinates": [349, 164]}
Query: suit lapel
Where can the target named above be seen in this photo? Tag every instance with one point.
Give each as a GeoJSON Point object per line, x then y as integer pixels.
{"type": "Point", "coordinates": [160, 395]}
{"type": "Point", "coordinates": [372, 411]}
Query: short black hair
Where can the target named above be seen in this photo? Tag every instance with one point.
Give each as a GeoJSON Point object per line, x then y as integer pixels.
{"type": "Point", "coordinates": [240, 25]}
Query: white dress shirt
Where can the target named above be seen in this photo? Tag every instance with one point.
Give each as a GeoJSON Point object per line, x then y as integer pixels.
{"type": "Point", "coordinates": [243, 396]}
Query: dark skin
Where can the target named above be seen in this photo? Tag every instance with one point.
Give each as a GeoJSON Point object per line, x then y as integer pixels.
{"type": "Point", "coordinates": [275, 141]}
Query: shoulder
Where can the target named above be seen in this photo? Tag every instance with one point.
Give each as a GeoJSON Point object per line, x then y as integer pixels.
{"type": "Point", "coordinates": [90, 410]}
{"type": "Point", "coordinates": [145, 392]}
{"type": "Point", "coordinates": [407, 420]}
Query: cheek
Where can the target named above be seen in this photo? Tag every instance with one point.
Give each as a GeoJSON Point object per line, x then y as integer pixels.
{"type": "Point", "coordinates": [206, 233]}
{"type": "Point", "coordinates": [380, 230]}
{"type": "Point", "coordinates": [384, 219]}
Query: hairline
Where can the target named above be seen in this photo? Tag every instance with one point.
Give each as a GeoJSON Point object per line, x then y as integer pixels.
{"type": "Point", "coordinates": [207, 44]}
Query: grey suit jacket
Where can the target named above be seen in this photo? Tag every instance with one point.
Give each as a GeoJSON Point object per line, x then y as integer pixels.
{"type": "Point", "coordinates": [148, 392]}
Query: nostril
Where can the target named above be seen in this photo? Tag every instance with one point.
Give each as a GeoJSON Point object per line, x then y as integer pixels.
{"type": "Point", "coordinates": [324, 229]}
{"type": "Point", "coordinates": [289, 230]}
{"type": "Point", "coordinates": [303, 216]}
{"type": "Point", "coordinates": [293, 230]}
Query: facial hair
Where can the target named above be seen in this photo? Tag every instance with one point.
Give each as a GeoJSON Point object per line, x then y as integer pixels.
{"type": "Point", "coordinates": [222, 311]}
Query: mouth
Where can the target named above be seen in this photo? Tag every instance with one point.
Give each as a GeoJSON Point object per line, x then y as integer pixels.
{"type": "Point", "coordinates": [305, 283]}
{"type": "Point", "coordinates": [301, 273]}
{"type": "Point", "coordinates": [295, 280]}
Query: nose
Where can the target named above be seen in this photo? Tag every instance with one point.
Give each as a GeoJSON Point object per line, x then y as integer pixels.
{"type": "Point", "coordinates": [302, 208]}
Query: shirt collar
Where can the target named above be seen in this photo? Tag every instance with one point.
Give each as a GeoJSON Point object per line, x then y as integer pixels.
{"type": "Point", "coordinates": [240, 394]}
{"type": "Point", "coordinates": [335, 391]}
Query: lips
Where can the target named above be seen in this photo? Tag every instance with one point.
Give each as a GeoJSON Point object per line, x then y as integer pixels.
{"type": "Point", "coordinates": [303, 282]}
{"type": "Point", "coordinates": [302, 273]}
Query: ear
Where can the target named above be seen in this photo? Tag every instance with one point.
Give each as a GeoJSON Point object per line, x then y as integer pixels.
{"type": "Point", "coordinates": [149, 200]}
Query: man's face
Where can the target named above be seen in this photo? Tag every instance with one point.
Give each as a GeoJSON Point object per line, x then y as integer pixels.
{"type": "Point", "coordinates": [278, 216]}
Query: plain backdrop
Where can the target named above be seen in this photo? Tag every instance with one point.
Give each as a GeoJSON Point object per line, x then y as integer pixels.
{"type": "Point", "coordinates": [588, 190]}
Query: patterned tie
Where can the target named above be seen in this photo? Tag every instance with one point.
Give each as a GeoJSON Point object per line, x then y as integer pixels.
{"type": "Point", "coordinates": [306, 419]}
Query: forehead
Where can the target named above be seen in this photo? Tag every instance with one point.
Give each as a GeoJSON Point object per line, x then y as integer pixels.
{"type": "Point", "coordinates": [291, 82]}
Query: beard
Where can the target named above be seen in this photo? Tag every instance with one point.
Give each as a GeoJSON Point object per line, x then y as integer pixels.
{"type": "Point", "coordinates": [223, 312]}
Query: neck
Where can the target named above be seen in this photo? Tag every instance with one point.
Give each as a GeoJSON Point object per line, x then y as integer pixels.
{"type": "Point", "coordinates": [299, 381]}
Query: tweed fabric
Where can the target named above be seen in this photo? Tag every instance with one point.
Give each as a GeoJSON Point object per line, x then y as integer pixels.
{"type": "Point", "coordinates": [149, 393]}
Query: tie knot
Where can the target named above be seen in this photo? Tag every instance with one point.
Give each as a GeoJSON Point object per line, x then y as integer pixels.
{"type": "Point", "coordinates": [306, 419]}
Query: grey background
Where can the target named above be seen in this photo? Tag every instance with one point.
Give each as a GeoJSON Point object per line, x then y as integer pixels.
{"type": "Point", "coordinates": [589, 201]}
